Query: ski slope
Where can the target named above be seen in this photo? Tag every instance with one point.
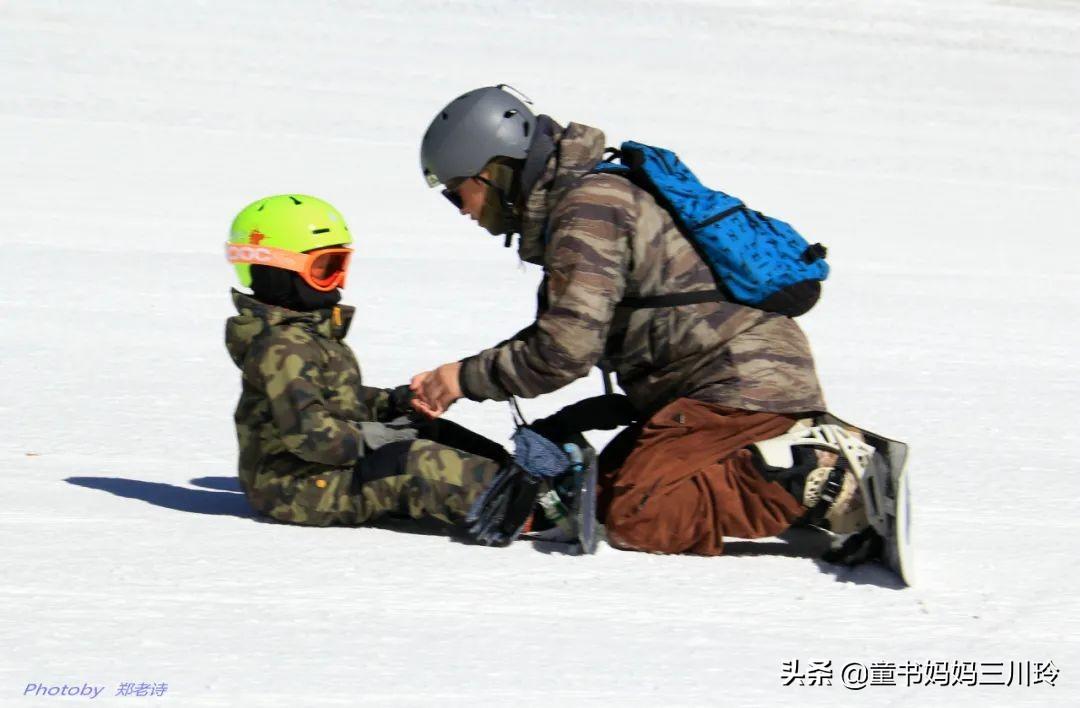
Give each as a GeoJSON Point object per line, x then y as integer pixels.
{"type": "Point", "coordinates": [933, 147]}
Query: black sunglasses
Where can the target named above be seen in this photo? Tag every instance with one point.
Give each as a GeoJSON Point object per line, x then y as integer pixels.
{"type": "Point", "coordinates": [451, 193]}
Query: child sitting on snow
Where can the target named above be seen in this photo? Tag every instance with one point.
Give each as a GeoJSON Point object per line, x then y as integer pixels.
{"type": "Point", "coordinates": [316, 446]}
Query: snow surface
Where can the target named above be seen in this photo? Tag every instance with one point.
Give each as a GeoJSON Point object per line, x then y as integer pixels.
{"type": "Point", "coordinates": [932, 146]}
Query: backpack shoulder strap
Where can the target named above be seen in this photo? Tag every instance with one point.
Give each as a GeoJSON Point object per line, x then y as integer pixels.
{"type": "Point", "coordinates": [648, 302]}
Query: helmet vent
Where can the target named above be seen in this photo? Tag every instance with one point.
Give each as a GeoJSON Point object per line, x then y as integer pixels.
{"type": "Point", "coordinates": [445, 115]}
{"type": "Point", "coordinates": [525, 128]}
{"type": "Point", "coordinates": [295, 201]}
{"type": "Point", "coordinates": [510, 113]}
{"type": "Point", "coordinates": [320, 231]}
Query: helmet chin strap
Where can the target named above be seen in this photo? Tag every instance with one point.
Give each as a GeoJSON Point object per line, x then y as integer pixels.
{"type": "Point", "coordinates": [541, 147]}
{"type": "Point", "coordinates": [504, 201]}
{"type": "Point", "coordinates": [508, 216]}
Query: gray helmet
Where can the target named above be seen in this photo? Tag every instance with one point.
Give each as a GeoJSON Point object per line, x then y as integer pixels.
{"type": "Point", "coordinates": [475, 127]}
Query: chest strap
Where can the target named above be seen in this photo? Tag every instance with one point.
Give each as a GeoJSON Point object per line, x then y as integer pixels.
{"type": "Point", "coordinates": [671, 299]}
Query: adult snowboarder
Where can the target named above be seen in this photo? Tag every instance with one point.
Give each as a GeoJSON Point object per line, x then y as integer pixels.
{"type": "Point", "coordinates": [726, 432]}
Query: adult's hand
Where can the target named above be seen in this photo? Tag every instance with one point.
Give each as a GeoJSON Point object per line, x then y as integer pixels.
{"type": "Point", "coordinates": [435, 391]}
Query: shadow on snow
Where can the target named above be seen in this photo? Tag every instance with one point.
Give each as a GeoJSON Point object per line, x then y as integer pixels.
{"type": "Point", "coordinates": [811, 544]}
{"type": "Point", "coordinates": [222, 498]}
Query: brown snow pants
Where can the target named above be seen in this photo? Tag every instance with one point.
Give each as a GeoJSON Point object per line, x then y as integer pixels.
{"type": "Point", "coordinates": [682, 481]}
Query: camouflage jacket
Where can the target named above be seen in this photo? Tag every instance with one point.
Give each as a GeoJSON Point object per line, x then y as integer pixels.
{"type": "Point", "coordinates": [600, 239]}
{"type": "Point", "coordinates": [302, 400]}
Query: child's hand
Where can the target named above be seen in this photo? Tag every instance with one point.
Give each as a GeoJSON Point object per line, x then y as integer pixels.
{"type": "Point", "coordinates": [418, 401]}
{"type": "Point", "coordinates": [401, 398]}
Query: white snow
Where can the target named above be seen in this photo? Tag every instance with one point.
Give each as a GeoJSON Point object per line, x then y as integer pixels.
{"type": "Point", "coordinates": [934, 147]}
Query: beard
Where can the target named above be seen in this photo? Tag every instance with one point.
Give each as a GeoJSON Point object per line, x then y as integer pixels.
{"type": "Point", "coordinates": [496, 218]}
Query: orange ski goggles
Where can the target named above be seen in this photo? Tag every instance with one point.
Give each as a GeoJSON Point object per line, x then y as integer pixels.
{"type": "Point", "coordinates": [323, 269]}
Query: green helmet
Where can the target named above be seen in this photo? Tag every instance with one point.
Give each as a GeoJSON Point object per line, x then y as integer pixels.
{"type": "Point", "coordinates": [287, 222]}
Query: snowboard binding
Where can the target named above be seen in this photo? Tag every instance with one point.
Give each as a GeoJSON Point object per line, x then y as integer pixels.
{"type": "Point", "coordinates": [853, 483]}
{"type": "Point", "coordinates": [566, 509]}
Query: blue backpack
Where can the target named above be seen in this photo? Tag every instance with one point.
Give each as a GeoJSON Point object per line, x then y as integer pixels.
{"type": "Point", "coordinates": [756, 260]}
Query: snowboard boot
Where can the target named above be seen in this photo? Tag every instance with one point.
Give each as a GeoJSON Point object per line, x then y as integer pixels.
{"type": "Point", "coordinates": [852, 482]}
{"type": "Point", "coordinates": [553, 518]}
{"type": "Point", "coordinates": [821, 466]}
{"type": "Point", "coordinates": [557, 516]}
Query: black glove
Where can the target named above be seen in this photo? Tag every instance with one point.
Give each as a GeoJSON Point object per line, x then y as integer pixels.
{"type": "Point", "coordinates": [401, 403]}
{"type": "Point", "coordinates": [500, 512]}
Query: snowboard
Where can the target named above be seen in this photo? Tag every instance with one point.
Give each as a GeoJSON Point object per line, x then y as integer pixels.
{"type": "Point", "coordinates": [588, 532]}
{"type": "Point", "coordinates": [577, 490]}
{"type": "Point", "coordinates": [886, 491]}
